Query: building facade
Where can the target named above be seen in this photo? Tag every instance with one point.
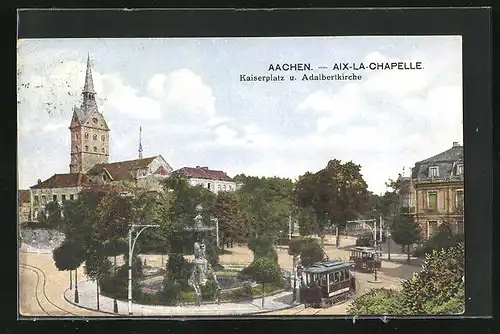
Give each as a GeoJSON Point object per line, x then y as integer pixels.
{"type": "Point", "coordinates": [58, 188]}
{"type": "Point", "coordinates": [90, 166]}
{"type": "Point", "coordinates": [89, 131]}
{"type": "Point", "coordinates": [24, 205]}
{"type": "Point", "coordinates": [213, 180]}
{"type": "Point", "coordinates": [435, 191]}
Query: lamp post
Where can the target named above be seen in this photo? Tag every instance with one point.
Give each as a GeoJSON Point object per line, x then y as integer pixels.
{"type": "Point", "coordinates": [389, 246]}
{"type": "Point", "coordinates": [131, 244]}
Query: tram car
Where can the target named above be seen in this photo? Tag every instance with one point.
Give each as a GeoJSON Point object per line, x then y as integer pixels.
{"type": "Point", "coordinates": [327, 283]}
{"type": "Point", "coordinates": [366, 258]}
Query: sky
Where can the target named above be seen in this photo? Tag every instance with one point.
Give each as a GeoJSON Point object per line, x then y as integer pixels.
{"type": "Point", "coordinates": [187, 96]}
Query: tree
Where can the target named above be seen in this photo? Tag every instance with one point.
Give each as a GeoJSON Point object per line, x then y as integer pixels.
{"type": "Point", "coordinates": [405, 231]}
{"type": "Point", "coordinates": [310, 252]}
{"type": "Point", "coordinates": [267, 203]}
{"type": "Point", "coordinates": [379, 302]}
{"type": "Point", "coordinates": [97, 266]}
{"type": "Point", "coordinates": [228, 211]}
{"type": "Point", "coordinates": [264, 271]}
{"type": "Point", "coordinates": [51, 215]}
{"type": "Point", "coordinates": [439, 281]}
{"type": "Point", "coordinates": [337, 193]}
{"type": "Point", "coordinates": [308, 224]}
{"type": "Point", "coordinates": [68, 256]}
{"type": "Point", "coordinates": [113, 215]}
{"type": "Point", "coordinates": [263, 246]}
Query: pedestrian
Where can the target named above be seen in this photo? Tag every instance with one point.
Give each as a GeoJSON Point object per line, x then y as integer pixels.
{"type": "Point", "coordinates": [217, 294]}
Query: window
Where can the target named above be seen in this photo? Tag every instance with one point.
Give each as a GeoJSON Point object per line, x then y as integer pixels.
{"type": "Point", "coordinates": [330, 277]}
{"type": "Point", "coordinates": [76, 136]}
{"type": "Point", "coordinates": [460, 200]}
{"type": "Point", "coordinates": [342, 275]}
{"type": "Point", "coordinates": [103, 138]}
{"type": "Point", "coordinates": [86, 135]}
{"type": "Point", "coordinates": [44, 199]}
{"type": "Point", "coordinates": [219, 187]}
{"type": "Point", "coordinates": [71, 197]}
{"type": "Point", "coordinates": [94, 120]}
{"type": "Point", "coordinates": [434, 171]}
{"type": "Point", "coordinates": [336, 277]}
{"type": "Point", "coordinates": [346, 274]}
{"type": "Point", "coordinates": [35, 198]}
{"type": "Point", "coordinates": [94, 137]}
{"type": "Point", "coordinates": [102, 150]}
{"type": "Point", "coordinates": [225, 187]}
{"type": "Point", "coordinates": [460, 226]}
{"type": "Point", "coordinates": [77, 148]}
{"type": "Point", "coordinates": [54, 198]}
{"type": "Point", "coordinates": [460, 169]}
{"type": "Point", "coordinates": [432, 227]}
{"type": "Point", "coordinates": [86, 148]}
{"type": "Point", "coordinates": [432, 201]}
{"type": "Point", "coordinates": [208, 186]}
{"type": "Point", "coordinates": [95, 149]}
{"type": "Point", "coordinates": [63, 197]}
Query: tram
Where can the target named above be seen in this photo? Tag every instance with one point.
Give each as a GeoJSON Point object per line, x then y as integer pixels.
{"type": "Point", "coordinates": [327, 283]}
{"type": "Point", "coordinates": [366, 258]}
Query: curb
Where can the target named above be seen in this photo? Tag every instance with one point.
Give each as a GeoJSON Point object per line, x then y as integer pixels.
{"type": "Point", "coordinates": [402, 262]}
{"type": "Point", "coordinates": [281, 309]}
{"type": "Point", "coordinates": [88, 308]}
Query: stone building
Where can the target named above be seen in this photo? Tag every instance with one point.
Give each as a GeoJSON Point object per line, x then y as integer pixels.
{"type": "Point", "coordinates": [89, 156]}
{"type": "Point", "coordinates": [89, 131]}
{"type": "Point", "coordinates": [58, 188]}
{"type": "Point", "coordinates": [213, 180]}
{"type": "Point", "coordinates": [436, 191]}
{"type": "Point", "coordinates": [23, 205]}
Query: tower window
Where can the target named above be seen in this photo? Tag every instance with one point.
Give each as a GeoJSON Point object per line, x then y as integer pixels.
{"type": "Point", "coordinates": [86, 148]}
{"type": "Point", "coordinates": [95, 149]}
{"type": "Point", "coordinates": [76, 136]}
{"type": "Point", "coordinates": [102, 150]}
{"type": "Point", "coordinates": [94, 120]}
{"type": "Point", "coordinates": [77, 148]}
{"type": "Point", "coordinates": [86, 135]}
{"type": "Point", "coordinates": [103, 138]}
{"type": "Point", "coordinates": [94, 137]}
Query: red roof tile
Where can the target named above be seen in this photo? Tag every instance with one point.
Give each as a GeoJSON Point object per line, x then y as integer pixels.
{"type": "Point", "coordinates": [120, 171]}
{"type": "Point", "coordinates": [63, 181]}
{"type": "Point", "coordinates": [204, 173]}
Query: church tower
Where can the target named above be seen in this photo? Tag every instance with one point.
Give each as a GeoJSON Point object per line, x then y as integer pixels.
{"type": "Point", "coordinates": [89, 131]}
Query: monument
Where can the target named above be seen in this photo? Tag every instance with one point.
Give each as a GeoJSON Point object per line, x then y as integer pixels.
{"type": "Point", "coordinates": [201, 268]}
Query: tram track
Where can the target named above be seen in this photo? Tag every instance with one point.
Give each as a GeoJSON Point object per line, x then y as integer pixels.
{"type": "Point", "coordinates": [42, 278]}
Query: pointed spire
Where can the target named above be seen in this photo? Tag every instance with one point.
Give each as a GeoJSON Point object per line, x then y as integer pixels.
{"type": "Point", "coordinates": [89, 83]}
{"type": "Point", "coordinates": [140, 142]}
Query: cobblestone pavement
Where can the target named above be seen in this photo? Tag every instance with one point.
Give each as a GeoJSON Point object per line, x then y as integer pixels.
{"type": "Point", "coordinates": [53, 286]}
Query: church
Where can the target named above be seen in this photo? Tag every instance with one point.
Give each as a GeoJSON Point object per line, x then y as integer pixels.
{"type": "Point", "coordinates": [89, 160]}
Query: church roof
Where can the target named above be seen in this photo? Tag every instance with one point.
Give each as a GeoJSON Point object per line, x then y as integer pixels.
{"type": "Point", "coordinates": [204, 173]}
{"type": "Point", "coordinates": [63, 181]}
{"type": "Point", "coordinates": [23, 196]}
{"type": "Point", "coordinates": [120, 170]}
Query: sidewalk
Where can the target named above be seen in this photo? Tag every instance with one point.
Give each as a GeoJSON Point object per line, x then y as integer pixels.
{"type": "Point", "coordinates": [87, 298]}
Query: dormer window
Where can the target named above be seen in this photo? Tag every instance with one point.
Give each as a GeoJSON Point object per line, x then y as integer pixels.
{"type": "Point", "coordinates": [94, 137]}
{"type": "Point", "coordinates": [95, 149]}
{"type": "Point", "coordinates": [434, 171]}
{"type": "Point", "coordinates": [86, 148]}
{"type": "Point", "coordinates": [460, 169]}
{"type": "Point", "coordinates": [86, 135]}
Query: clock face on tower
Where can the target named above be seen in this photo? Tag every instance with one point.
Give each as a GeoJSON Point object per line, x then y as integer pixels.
{"type": "Point", "coordinates": [94, 120]}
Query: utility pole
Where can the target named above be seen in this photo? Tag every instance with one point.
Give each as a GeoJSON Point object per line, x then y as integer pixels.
{"type": "Point", "coordinates": [131, 245]}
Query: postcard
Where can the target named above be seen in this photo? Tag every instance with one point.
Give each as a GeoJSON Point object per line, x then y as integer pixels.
{"type": "Point", "coordinates": [283, 176]}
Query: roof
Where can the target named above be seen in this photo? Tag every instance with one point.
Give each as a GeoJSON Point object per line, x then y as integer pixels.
{"type": "Point", "coordinates": [204, 173]}
{"type": "Point", "coordinates": [120, 170]}
{"type": "Point", "coordinates": [23, 196]}
{"type": "Point", "coordinates": [366, 249]}
{"type": "Point", "coordinates": [63, 181]}
{"type": "Point", "coordinates": [446, 162]}
{"type": "Point", "coordinates": [327, 266]}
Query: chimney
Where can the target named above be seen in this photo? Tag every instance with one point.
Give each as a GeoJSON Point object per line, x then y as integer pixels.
{"type": "Point", "coordinates": [38, 181]}
{"type": "Point", "coordinates": [456, 144]}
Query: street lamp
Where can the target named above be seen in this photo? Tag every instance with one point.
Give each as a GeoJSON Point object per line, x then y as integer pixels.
{"type": "Point", "coordinates": [281, 240]}
{"type": "Point", "coordinates": [389, 246]}
{"type": "Point", "coordinates": [131, 245]}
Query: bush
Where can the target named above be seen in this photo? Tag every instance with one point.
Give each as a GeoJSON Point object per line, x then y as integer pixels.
{"type": "Point", "coordinates": [209, 291]}
{"type": "Point", "coordinates": [443, 238]}
{"type": "Point", "coordinates": [171, 294]}
{"type": "Point", "coordinates": [242, 293]}
{"type": "Point", "coordinates": [311, 252]}
{"type": "Point", "coordinates": [263, 246]}
{"type": "Point", "coordinates": [379, 302]}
